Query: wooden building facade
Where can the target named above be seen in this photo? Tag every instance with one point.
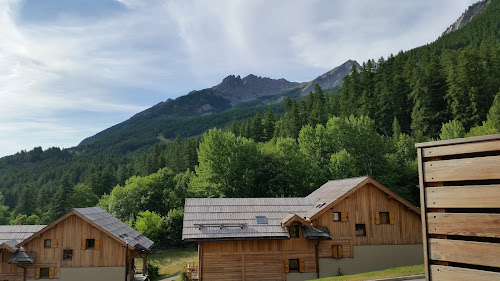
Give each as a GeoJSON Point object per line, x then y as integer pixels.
{"type": "Point", "coordinates": [346, 226]}
{"type": "Point", "coordinates": [85, 244]}
{"type": "Point", "coordinates": [460, 195]}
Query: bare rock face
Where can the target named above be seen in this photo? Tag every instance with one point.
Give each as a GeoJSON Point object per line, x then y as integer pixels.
{"type": "Point", "coordinates": [332, 78]}
{"type": "Point", "coordinates": [468, 15]}
{"type": "Point", "coordinates": [237, 89]}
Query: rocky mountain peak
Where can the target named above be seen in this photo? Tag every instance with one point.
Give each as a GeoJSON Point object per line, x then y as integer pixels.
{"type": "Point", "coordinates": [468, 15]}
{"type": "Point", "coordinates": [237, 89]}
{"type": "Point", "coordinates": [332, 78]}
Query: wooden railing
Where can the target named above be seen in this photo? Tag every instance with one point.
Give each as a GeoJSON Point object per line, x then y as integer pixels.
{"type": "Point", "coordinates": [193, 271]}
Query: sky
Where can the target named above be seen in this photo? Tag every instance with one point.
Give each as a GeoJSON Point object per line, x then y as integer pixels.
{"type": "Point", "coordinates": [72, 68]}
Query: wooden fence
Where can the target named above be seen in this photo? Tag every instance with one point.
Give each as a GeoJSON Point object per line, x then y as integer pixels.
{"type": "Point", "coordinates": [460, 202]}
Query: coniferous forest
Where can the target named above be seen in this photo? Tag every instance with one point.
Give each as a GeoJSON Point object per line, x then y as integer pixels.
{"type": "Point", "coordinates": [447, 89]}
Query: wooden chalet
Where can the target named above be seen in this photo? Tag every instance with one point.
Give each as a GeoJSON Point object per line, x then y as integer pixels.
{"type": "Point", "coordinates": [346, 226]}
{"type": "Point", "coordinates": [460, 198]}
{"type": "Point", "coordinates": [85, 244]}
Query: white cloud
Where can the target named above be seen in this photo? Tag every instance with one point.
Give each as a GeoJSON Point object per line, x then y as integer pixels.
{"type": "Point", "coordinates": [56, 73]}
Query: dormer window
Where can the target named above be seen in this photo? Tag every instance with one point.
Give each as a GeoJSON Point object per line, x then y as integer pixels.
{"type": "Point", "coordinates": [261, 220]}
{"type": "Point", "coordinates": [293, 230]}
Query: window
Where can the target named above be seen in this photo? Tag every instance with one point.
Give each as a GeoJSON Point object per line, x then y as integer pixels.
{"type": "Point", "coordinates": [384, 217]}
{"type": "Point", "coordinates": [293, 264]}
{"type": "Point", "coordinates": [47, 243]}
{"type": "Point", "coordinates": [44, 272]}
{"type": "Point", "coordinates": [90, 244]}
{"type": "Point", "coordinates": [294, 231]}
{"type": "Point", "coordinates": [360, 230]}
{"type": "Point", "coordinates": [337, 251]}
{"type": "Point", "coordinates": [67, 254]}
{"type": "Point", "coordinates": [336, 216]}
{"type": "Point", "coordinates": [261, 220]}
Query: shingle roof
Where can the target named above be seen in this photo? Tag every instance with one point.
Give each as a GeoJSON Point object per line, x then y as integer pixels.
{"type": "Point", "coordinates": [11, 235]}
{"type": "Point", "coordinates": [235, 218]}
{"type": "Point", "coordinates": [320, 232]}
{"type": "Point", "coordinates": [331, 191]}
{"type": "Point", "coordinates": [115, 227]}
{"type": "Point", "coordinates": [22, 257]}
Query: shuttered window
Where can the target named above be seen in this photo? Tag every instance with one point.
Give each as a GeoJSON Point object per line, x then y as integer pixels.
{"type": "Point", "coordinates": [385, 218]}
{"type": "Point", "coordinates": [337, 251]}
{"type": "Point", "coordinates": [47, 243]}
{"type": "Point", "coordinates": [302, 265]}
{"type": "Point", "coordinates": [344, 216]}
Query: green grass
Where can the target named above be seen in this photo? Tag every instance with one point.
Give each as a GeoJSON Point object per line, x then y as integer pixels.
{"type": "Point", "coordinates": [173, 261]}
{"type": "Point", "coordinates": [388, 273]}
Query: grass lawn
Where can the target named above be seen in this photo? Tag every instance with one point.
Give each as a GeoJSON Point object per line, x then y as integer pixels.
{"type": "Point", "coordinates": [173, 261]}
{"type": "Point", "coordinates": [388, 273]}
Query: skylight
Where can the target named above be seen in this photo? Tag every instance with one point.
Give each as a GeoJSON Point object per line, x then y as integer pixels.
{"type": "Point", "coordinates": [261, 220]}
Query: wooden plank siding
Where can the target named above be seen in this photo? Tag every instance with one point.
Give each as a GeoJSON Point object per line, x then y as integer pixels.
{"type": "Point", "coordinates": [449, 273]}
{"type": "Point", "coordinates": [469, 252]}
{"type": "Point", "coordinates": [460, 195]}
{"type": "Point", "coordinates": [464, 224]}
{"type": "Point", "coordinates": [477, 168]}
{"type": "Point", "coordinates": [69, 233]}
{"type": "Point", "coordinates": [361, 206]}
{"type": "Point", "coordinates": [471, 196]}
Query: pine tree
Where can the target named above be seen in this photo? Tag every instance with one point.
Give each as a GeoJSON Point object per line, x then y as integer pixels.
{"type": "Point", "coordinates": [269, 124]}
{"type": "Point", "coordinates": [26, 202]}
{"type": "Point", "coordinates": [60, 204]}
{"type": "Point", "coordinates": [494, 113]}
{"type": "Point", "coordinates": [257, 129]}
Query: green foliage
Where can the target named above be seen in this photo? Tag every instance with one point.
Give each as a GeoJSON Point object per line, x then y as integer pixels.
{"type": "Point", "coordinates": [494, 113]}
{"type": "Point", "coordinates": [60, 204]}
{"type": "Point", "coordinates": [82, 197]}
{"type": "Point", "coordinates": [153, 270]}
{"type": "Point", "coordinates": [151, 225]}
{"type": "Point", "coordinates": [452, 130]}
{"type": "Point", "coordinates": [173, 227]}
{"type": "Point", "coordinates": [342, 165]}
{"type": "Point", "coordinates": [4, 211]}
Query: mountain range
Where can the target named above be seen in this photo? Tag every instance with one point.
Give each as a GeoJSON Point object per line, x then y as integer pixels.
{"type": "Point", "coordinates": [248, 92]}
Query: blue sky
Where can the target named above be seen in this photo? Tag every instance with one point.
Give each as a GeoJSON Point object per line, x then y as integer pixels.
{"type": "Point", "coordinates": [71, 68]}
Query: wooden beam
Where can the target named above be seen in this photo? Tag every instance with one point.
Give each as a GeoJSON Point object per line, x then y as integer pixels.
{"type": "Point", "coordinates": [478, 168]}
{"type": "Point", "coordinates": [481, 225]}
{"type": "Point", "coordinates": [463, 148]}
{"type": "Point", "coordinates": [477, 253]}
{"type": "Point", "coordinates": [422, 205]}
{"type": "Point", "coordinates": [449, 273]}
{"type": "Point", "coordinates": [473, 196]}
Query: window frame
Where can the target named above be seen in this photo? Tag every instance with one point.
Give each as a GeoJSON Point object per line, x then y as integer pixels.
{"type": "Point", "coordinates": [65, 254]}
{"type": "Point", "coordinates": [290, 269]}
{"type": "Point", "coordinates": [263, 219]}
{"type": "Point", "coordinates": [387, 217]}
{"type": "Point", "coordinates": [339, 219]}
{"type": "Point", "coordinates": [363, 226]}
{"type": "Point", "coordinates": [297, 233]}
{"type": "Point", "coordinates": [87, 243]}
{"type": "Point", "coordinates": [42, 276]}
{"type": "Point", "coordinates": [47, 243]}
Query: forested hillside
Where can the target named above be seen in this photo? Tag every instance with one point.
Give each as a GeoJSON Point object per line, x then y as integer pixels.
{"type": "Point", "coordinates": [449, 88]}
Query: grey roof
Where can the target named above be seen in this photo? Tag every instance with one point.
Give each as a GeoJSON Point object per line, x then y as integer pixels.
{"type": "Point", "coordinates": [11, 235]}
{"type": "Point", "coordinates": [235, 218]}
{"type": "Point", "coordinates": [21, 257]}
{"type": "Point", "coordinates": [116, 227]}
{"type": "Point", "coordinates": [320, 232]}
{"type": "Point", "coordinates": [331, 191]}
